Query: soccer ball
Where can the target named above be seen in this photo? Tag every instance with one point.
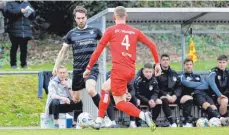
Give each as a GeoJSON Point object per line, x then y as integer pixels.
{"type": "Point", "coordinates": [214, 122]}
{"type": "Point", "coordinates": [202, 122]}
{"type": "Point", "coordinates": [84, 120]}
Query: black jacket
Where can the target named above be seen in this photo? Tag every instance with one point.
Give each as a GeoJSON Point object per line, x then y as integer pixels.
{"type": "Point", "coordinates": [145, 89]}
{"type": "Point", "coordinates": [219, 81]}
{"type": "Point", "coordinates": [169, 83]}
{"type": "Point", "coordinates": [18, 25]}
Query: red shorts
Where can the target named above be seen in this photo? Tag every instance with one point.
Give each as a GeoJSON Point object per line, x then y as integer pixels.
{"type": "Point", "coordinates": [119, 81]}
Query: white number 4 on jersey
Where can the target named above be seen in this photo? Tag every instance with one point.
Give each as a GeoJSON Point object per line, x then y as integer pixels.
{"type": "Point", "coordinates": [125, 42]}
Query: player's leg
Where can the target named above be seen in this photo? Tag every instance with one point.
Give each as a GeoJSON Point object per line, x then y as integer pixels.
{"type": "Point", "coordinates": [156, 110]}
{"type": "Point", "coordinates": [200, 100]}
{"type": "Point", "coordinates": [223, 102]}
{"type": "Point", "coordinates": [186, 102]}
{"type": "Point", "coordinates": [118, 88]}
{"type": "Point", "coordinates": [104, 103]}
{"type": "Point", "coordinates": [54, 109]}
{"type": "Point", "coordinates": [105, 98]}
{"type": "Point", "coordinates": [90, 84]}
{"type": "Point", "coordinates": [215, 112]}
{"type": "Point", "coordinates": [110, 110]}
{"type": "Point", "coordinates": [133, 121]}
{"type": "Point", "coordinates": [77, 86]}
{"type": "Point", "coordinates": [132, 110]}
{"type": "Point", "coordinates": [167, 111]}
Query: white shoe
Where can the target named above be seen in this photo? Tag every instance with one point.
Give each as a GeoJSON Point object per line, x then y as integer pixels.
{"type": "Point", "coordinates": [78, 127]}
{"type": "Point", "coordinates": [173, 125]}
{"type": "Point", "coordinates": [188, 125]}
{"type": "Point", "coordinates": [97, 124]}
{"type": "Point", "coordinates": [132, 124]}
{"type": "Point", "coordinates": [106, 122]}
{"type": "Point", "coordinates": [149, 122]}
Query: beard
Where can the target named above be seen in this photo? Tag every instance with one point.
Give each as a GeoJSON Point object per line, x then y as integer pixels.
{"type": "Point", "coordinates": [81, 25]}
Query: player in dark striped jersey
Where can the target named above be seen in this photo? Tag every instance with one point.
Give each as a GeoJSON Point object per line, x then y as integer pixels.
{"type": "Point", "coordinates": [83, 40]}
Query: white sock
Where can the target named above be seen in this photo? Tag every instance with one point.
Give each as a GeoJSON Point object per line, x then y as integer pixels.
{"type": "Point", "coordinates": [142, 116]}
{"type": "Point", "coordinates": [113, 122]}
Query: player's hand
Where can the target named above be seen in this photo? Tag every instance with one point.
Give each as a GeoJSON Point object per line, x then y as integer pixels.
{"type": "Point", "coordinates": [65, 83]}
{"type": "Point", "coordinates": [173, 98]}
{"type": "Point", "coordinates": [157, 70]}
{"type": "Point", "coordinates": [54, 71]}
{"type": "Point", "coordinates": [24, 10]}
{"type": "Point", "coordinates": [169, 97]}
{"type": "Point", "coordinates": [128, 97]}
{"type": "Point", "coordinates": [86, 73]}
{"type": "Point", "coordinates": [66, 100]}
{"type": "Point", "coordinates": [152, 104]}
{"type": "Point", "coordinates": [222, 96]}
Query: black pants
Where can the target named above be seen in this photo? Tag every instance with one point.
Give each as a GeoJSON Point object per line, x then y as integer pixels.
{"type": "Point", "coordinates": [55, 108]}
{"type": "Point", "coordinates": [16, 42]}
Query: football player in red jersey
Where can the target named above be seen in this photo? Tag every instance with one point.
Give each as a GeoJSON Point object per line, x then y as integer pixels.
{"type": "Point", "coordinates": [123, 40]}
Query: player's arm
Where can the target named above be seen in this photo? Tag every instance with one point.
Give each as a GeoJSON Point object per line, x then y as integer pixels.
{"type": "Point", "coordinates": [211, 82]}
{"type": "Point", "coordinates": [101, 45]}
{"type": "Point", "coordinates": [189, 84]}
{"type": "Point", "coordinates": [153, 48]}
{"type": "Point", "coordinates": [156, 91]}
{"type": "Point", "coordinates": [138, 94]}
{"type": "Point", "coordinates": [61, 55]}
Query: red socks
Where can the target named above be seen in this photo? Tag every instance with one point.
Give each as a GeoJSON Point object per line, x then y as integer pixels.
{"type": "Point", "coordinates": [103, 103]}
{"type": "Point", "coordinates": [128, 108]}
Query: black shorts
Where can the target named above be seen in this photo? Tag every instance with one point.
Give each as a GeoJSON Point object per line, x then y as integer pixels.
{"type": "Point", "coordinates": [199, 99]}
{"type": "Point", "coordinates": [78, 82]}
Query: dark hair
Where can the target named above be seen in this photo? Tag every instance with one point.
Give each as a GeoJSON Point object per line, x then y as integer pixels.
{"type": "Point", "coordinates": [165, 55]}
{"type": "Point", "coordinates": [222, 57]}
{"type": "Point", "coordinates": [148, 65]}
{"type": "Point", "coordinates": [79, 9]}
{"type": "Point", "coordinates": [188, 60]}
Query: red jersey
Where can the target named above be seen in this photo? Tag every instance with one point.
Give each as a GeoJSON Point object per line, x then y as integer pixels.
{"type": "Point", "coordinates": [123, 41]}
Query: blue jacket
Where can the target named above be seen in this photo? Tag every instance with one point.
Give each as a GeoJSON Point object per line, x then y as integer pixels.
{"type": "Point", "coordinates": [18, 25]}
{"type": "Point", "coordinates": [193, 84]}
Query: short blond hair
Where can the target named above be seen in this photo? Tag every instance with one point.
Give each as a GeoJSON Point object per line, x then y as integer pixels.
{"type": "Point", "coordinates": [120, 11]}
{"type": "Point", "coordinates": [61, 67]}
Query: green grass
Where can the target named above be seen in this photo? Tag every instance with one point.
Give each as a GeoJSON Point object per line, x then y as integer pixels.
{"type": "Point", "coordinates": [19, 105]}
{"type": "Point", "coordinates": [33, 67]}
{"type": "Point", "coordinates": [127, 131]}
{"type": "Point", "coordinates": [198, 66]}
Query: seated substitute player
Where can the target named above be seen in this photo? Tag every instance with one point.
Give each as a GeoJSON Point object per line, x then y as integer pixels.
{"type": "Point", "coordinates": [171, 92]}
{"type": "Point", "coordinates": [146, 87]}
{"type": "Point", "coordinates": [169, 87]}
{"type": "Point", "coordinates": [59, 99]}
{"type": "Point", "coordinates": [123, 40]}
{"type": "Point", "coordinates": [218, 80]}
{"type": "Point", "coordinates": [197, 85]}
